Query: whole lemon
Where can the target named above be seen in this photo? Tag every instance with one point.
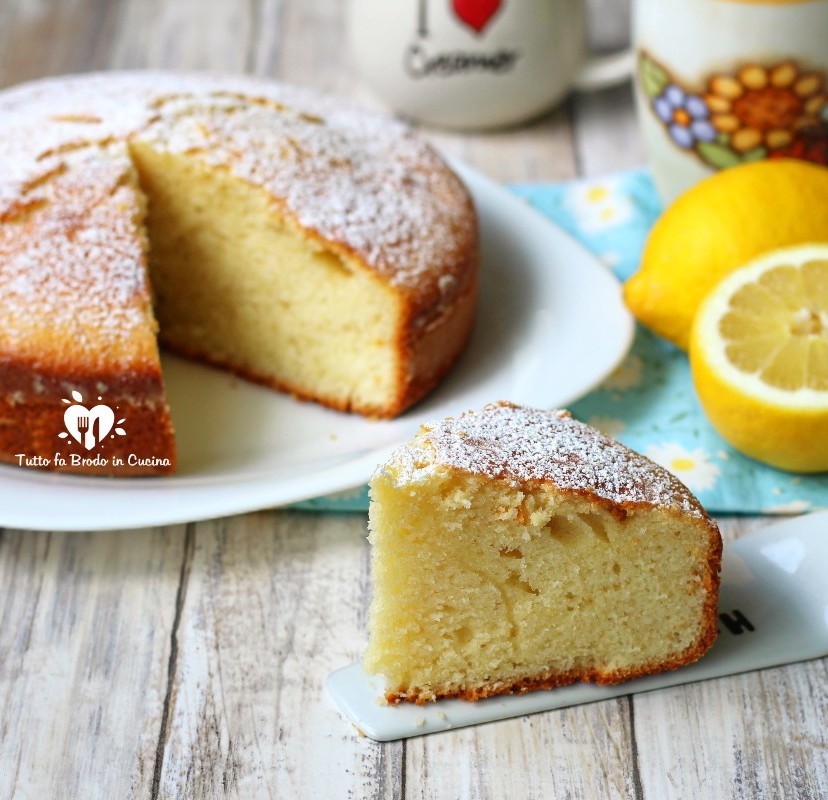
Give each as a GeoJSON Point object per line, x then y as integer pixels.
{"type": "Point", "coordinates": [718, 225]}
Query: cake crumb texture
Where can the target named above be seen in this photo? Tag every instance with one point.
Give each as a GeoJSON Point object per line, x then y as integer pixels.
{"type": "Point", "coordinates": [516, 549]}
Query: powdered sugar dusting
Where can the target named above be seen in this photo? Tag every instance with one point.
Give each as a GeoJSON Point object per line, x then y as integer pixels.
{"type": "Point", "coordinates": [355, 178]}
{"type": "Point", "coordinates": [70, 252]}
{"type": "Point", "coordinates": [364, 183]}
{"type": "Point", "coordinates": [523, 444]}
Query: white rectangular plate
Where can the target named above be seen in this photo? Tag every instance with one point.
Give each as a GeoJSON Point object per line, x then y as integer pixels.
{"type": "Point", "coordinates": [773, 609]}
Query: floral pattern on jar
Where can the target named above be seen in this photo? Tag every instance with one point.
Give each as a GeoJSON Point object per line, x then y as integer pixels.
{"type": "Point", "coordinates": [759, 111]}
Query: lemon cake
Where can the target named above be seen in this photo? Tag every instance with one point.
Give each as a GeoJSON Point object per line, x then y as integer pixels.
{"type": "Point", "coordinates": [517, 549]}
{"type": "Point", "coordinates": [285, 236]}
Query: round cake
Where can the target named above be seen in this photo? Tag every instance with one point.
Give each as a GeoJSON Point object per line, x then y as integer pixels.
{"type": "Point", "coordinates": [288, 237]}
{"type": "Point", "coordinates": [516, 549]}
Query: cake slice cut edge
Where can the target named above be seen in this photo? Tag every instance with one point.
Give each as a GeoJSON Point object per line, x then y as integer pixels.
{"type": "Point", "coordinates": [516, 549]}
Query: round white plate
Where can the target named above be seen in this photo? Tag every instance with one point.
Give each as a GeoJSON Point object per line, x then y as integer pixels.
{"type": "Point", "coordinates": [551, 326]}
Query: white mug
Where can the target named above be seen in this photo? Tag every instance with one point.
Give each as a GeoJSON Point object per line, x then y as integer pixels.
{"type": "Point", "coordinates": [475, 64]}
{"type": "Point", "coordinates": [725, 82]}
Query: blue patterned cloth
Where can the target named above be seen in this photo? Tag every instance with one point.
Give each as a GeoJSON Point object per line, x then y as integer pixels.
{"type": "Point", "coordinates": [648, 403]}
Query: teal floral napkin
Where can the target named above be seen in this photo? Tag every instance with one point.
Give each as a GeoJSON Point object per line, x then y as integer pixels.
{"type": "Point", "coordinates": [648, 403]}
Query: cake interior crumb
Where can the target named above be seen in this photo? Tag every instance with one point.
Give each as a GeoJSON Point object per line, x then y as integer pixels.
{"type": "Point", "coordinates": [480, 581]}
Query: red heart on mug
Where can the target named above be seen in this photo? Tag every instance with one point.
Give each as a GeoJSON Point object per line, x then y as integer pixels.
{"type": "Point", "coordinates": [476, 13]}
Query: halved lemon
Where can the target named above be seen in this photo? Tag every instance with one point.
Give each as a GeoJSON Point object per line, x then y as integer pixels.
{"type": "Point", "coordinates": [759, 356]}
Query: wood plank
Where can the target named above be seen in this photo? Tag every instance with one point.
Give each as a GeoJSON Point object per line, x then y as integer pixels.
{"type": "Point", "coordinates": [84, 35]}
{"type": "Point", "coordinates": [608, 23]}
{"type": "Point", "coordinates": [603, 147]}
{"type": "Point", "coordinates": [84, 646]}
{"type": "Point", "coordinates": [310, 49]}
{"type": "Point", "coordinates": [541, 150]}
{"type": "Point", "coordinates": [761, 734]}
{"type": "Point", "coordinates": [275, 601]}
{"type": "Point", "coordinates": [607, 138]}
{"type": "Point", "coordinates": [54, 38]}
{"type": "Point", "coordinates": [270, 38]}
{"type": "Point", "coordinates": [583, 752]}
{"type": "Point", "coordinates": [182, 35]}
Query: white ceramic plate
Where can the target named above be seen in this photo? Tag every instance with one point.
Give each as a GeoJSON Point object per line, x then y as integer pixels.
{"type": "Point", "coordinates": [551, 326]}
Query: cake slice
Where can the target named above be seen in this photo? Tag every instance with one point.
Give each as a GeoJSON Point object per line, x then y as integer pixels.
{"type": "Point", "coordinates": [517, 549]}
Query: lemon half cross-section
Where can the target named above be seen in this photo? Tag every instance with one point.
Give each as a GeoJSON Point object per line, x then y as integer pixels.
{"type": "Point", "coordinates": [759, 356]}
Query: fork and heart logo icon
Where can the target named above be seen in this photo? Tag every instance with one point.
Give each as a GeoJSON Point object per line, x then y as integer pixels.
{"type": "Point", "coordinates": [81, 421]}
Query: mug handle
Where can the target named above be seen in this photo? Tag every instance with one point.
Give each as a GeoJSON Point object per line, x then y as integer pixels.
{"type": "Point", "coordinates": [605, 70]}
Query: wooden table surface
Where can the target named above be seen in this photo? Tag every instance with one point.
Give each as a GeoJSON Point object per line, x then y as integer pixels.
{"type": "Point", "coordinates": [189, 661]}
